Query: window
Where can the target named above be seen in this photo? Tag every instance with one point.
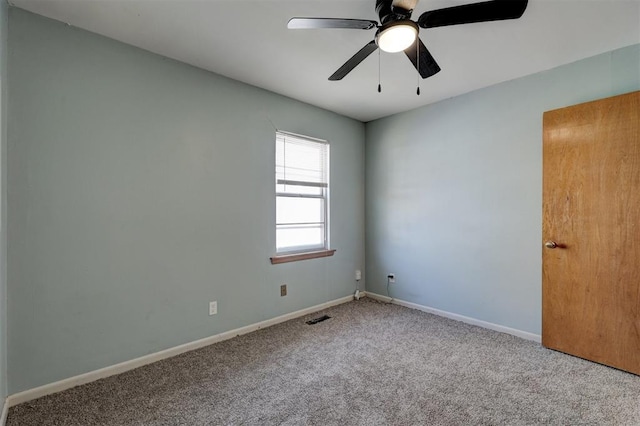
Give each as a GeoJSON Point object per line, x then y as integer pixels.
{"type": "Point", "coordinates": [302, 195]}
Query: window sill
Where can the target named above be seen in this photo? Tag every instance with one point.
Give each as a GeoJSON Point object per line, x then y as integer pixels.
{"type": "Point", "coordinates": [284, 258]}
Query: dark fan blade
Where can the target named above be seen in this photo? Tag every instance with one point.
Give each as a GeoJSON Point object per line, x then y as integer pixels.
{"type": "Point", "coordinates": [319, 23]}
{"type": "Point", "coordinates": [428, 65]}
{"type": "Point", "coordinates": [353, 62]}
{"type": "Point", "coordinates": [496, 10]}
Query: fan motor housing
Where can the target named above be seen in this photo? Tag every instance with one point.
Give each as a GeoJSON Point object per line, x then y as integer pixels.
{"type": "Point", "coordinates": [387, 13]}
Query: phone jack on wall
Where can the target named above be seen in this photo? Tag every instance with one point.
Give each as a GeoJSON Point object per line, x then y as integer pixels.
{"type": "Point", "coordinates": [391, 279]}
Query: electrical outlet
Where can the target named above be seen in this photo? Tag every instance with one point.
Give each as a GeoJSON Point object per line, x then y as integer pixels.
{"type": "Point", "coordinates": [213, 307]}
{"type": "Point", "coordinates": [391, 278]}
{"type": "Point", "coordinates": [358, 275]}
{"type": "Point", "coordinates": [283, 290]}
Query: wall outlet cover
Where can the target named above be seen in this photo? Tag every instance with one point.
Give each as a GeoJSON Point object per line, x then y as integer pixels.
{"type": "Point", "coordinates": [213, 307]}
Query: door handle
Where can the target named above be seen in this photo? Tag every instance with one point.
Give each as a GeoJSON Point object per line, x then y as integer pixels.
{"type": "Point", "coordinates": [551, 244]}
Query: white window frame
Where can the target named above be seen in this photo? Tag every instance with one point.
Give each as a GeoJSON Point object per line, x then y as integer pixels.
{"type": "Point", "coordinates": [324, 195]}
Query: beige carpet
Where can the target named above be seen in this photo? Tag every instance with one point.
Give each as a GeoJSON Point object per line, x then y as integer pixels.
{"type": "Point", "coordinates": [370, 364]}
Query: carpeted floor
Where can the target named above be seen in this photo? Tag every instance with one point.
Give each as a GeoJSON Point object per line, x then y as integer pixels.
{"type": "Point", "coordinates": [370, 364]}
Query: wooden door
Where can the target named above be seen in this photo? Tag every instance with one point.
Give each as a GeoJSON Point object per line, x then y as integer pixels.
{"type": "Point", "coordinates": [591, 212]}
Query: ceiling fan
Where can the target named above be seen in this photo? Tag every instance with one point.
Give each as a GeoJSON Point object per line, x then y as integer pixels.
{"type": "Point", "coordinates": [397, 32]}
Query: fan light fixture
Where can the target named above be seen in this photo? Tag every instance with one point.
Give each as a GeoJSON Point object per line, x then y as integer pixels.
{"type": "Point", "coordinates": [395, 31]}
{"type": "Point", "coordinates": [397, 36]}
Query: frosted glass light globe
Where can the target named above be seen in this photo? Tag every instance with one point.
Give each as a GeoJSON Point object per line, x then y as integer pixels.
{"type": "Point", "coordinates": [397, 38]}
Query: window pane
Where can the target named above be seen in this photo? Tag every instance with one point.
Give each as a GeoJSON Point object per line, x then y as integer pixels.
{"type": "Point", "coordinates": [302, 188]}
{"type": "Point", "coordinates": [298, 210]}
{"type": "Point", "coordinates": [299, 237]}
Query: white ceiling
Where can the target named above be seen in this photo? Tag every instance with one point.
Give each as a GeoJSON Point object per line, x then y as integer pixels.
{"type": "Point", "coordinates": [248, 40]}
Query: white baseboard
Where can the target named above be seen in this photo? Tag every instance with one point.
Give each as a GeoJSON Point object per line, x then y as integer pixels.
{"type": "Point", "coordinates": [5, 412]}
{"type": "Point", "coordinates": [484, 324]}
{"type": "Point", "coordinates": [30, 394]}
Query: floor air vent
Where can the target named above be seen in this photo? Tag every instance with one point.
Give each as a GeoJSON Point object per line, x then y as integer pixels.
{"type": "Point", "coordinates": [319, 319]}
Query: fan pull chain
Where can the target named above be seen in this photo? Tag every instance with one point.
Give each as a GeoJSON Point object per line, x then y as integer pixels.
{"type": "Point", "coordinates": [379, 85]}
{"type": "Point", "coordinates": [418, 66]}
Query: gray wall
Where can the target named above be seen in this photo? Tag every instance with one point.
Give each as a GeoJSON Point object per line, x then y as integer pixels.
{"type": "Point", "coordinates": [3, 199]}
{"type": "Point", "coordinates": [454, 192]}
{"type": "Point", "coordinates": [140, 189]}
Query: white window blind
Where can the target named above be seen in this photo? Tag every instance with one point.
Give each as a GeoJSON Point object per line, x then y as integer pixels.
{"type": "Point", "coordinates": [302, 183]}
{"type": "Point", "coordinates": [301, 160]}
